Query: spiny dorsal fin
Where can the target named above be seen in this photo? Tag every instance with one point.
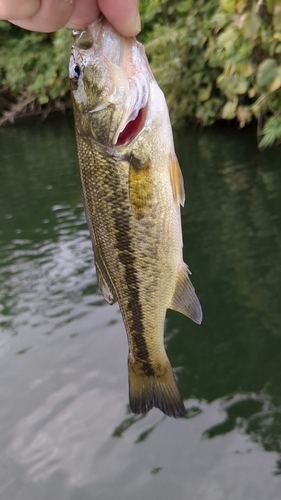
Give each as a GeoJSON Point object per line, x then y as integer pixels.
{"type": "Point", "coordinates": [105, 284]}
{"type": "Point", "coordinates": [176, 180]}
{"type": "Point", "coordinates": [185, 299]}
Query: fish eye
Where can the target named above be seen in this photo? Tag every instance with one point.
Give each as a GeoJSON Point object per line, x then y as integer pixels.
{"type": "Point", "coordinates": [75, 74]}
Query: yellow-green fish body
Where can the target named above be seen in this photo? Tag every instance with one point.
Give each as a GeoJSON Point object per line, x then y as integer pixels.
{"type": "Point", "coordinates": [132, 188]}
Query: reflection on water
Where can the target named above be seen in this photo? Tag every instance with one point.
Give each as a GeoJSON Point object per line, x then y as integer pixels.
{"type": "Point", "coordinates": [65, 428]}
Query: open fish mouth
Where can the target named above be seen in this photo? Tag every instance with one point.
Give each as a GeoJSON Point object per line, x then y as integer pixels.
{"type": "Point", "coordinates": [121, 68]}
{"type": "Point", "coordinates": [135, 84]}
{"type": "Point", "coordinates": [132, 123]}
{"type": "Point", "coordinates": [133, 128]}
{"type": "Point", "coordinates": [127, 64]}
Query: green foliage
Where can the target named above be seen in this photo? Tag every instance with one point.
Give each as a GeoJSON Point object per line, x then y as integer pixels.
{"type": "Point", "coordinates": [218, 60]}
{"type": "Point", "coordinates": [215, 59]}
{"type": "Point", "coordinates": [34, 63]}
{"type": "Point", "coordinates": [271, 131]}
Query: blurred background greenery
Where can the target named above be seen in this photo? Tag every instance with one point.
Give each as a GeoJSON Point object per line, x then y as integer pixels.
{"type": "Point", "coordinates": [214, 60]}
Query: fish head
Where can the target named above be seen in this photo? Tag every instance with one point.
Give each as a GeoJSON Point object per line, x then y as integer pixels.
{"type": "Point", "coordinates": [111, 85]}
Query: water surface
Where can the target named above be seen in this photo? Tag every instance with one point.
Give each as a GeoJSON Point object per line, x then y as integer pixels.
{"type": "Point", "coordinates": [65, 428]}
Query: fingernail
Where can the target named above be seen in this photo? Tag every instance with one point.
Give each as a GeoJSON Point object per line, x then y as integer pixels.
{"type": "Point", "coordinates": [138, 23]}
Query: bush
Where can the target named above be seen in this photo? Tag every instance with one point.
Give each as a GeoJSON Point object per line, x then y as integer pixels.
{"type": "Point", "coordinates": [33, 66]}
{"type": "Point", "coordinates": [218, 60]}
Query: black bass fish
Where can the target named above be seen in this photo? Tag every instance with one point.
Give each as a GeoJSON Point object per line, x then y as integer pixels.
{"type": "Point", "coordinates": [132, 189]}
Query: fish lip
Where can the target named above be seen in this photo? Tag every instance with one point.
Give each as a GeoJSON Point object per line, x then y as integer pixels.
{"type": "Point", "coordinates": [136, 100]}
{"type": "Point", "coordinates": [83, 39]}
{"type": "Point", "coordinates": [122, 56]}
{"type": "Point", "coordinates": [99, 107]}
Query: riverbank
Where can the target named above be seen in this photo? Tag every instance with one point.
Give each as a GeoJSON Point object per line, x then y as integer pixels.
{"type": "Point", "coordinates": [215, 60]}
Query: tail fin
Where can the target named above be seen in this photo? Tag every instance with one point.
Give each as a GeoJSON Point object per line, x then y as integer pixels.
{"type": "Point", "coordinates": [157, 390]}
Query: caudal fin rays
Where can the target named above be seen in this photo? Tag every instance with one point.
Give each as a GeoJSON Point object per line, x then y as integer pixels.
{"type": "Point", "coordinates": [158, 390]}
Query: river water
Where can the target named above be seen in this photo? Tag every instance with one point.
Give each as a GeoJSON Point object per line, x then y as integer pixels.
{"type": "Point", "coordinates": [65, 429]}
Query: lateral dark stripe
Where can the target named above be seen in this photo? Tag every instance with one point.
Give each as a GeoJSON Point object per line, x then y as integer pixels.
{"type": "Point", "coordinates": [122, 218]}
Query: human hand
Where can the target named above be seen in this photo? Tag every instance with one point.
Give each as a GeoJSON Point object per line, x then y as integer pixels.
{"type": "Point", "coordinates": [51, 15]}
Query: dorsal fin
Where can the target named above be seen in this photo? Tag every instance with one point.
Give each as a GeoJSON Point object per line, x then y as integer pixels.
{"type": "Point", "coordinates": [185, 299]}
{"type": "Point", "coordinates": [176, 180]}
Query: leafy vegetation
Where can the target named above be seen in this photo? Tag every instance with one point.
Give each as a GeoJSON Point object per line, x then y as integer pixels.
{"type": "Point", "coordinates": [218, 60]}
{"type": "Point", "coordinates": [215, 59]}
{"type": "Point", "coordinates": [33, 67]}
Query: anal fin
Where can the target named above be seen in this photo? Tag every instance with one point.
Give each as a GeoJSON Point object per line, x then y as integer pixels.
{"type": "Point", "coordinates": [185, 299]}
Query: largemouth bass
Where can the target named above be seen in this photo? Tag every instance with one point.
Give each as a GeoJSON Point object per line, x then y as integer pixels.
{"type": "Point", "coordinates": [132, 188]}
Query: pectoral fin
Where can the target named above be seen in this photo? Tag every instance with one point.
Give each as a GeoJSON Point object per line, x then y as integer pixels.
{"type": "Point", "coordinates": [176, 180]}
{"type": "Point", "coordinates": [103, 278]}
{"type": "Point", "coordinates": [105, 284]}
{"type": "Point", "coordinates": [139, 186]}
{"type": "Point", "coordinates": [185, 299]}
